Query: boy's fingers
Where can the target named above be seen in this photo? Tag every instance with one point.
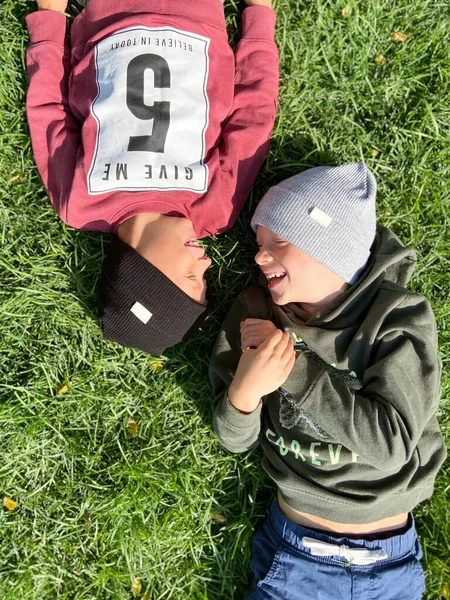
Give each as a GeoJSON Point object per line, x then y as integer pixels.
{"type": "Point", "coordinates": [254, 327]}
{"type": "Point", "coordinates": [289, 365]}
{"type": "Point", "coordinates": [245, 338]}
{"type": "Point", "coordinates": [255, 321]}
{"type": "Point", "coordinates": [283, 343]}
{"type": "Point", "coordinates": [272, 340]}
{"type": "Point", "coordinates": [288, 352]}
{"type": "Point", "coordinates": [249, 341]}
{"type": "Point", "coordinates": [254, 331]}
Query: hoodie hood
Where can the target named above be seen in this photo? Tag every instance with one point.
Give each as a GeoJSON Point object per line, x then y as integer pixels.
{"type": "Point", "coordinates": [358, 310]}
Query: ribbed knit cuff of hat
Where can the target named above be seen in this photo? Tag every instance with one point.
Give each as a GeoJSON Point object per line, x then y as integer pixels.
{"type": "Point", "coordinates": [328, 213]}
{"type": "Point", "coordinates": [139, 306]}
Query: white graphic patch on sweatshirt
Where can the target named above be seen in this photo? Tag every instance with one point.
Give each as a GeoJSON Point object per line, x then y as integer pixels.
{"type": "Point", "coordinates": [151, 110]}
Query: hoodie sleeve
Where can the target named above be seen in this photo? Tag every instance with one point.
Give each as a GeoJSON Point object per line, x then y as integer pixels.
{"type": "Point", "coordinates": [400, 390]}
{"type": "Point", "coordinates": [237, 432]}
{"type": "Point", "coordinates": [55, 132]}
{"type": "Point", "coordinates": [246, 133]}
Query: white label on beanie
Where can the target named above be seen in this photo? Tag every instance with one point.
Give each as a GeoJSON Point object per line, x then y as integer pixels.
{"type": "Point", "coordinates": [141, 312]}
{"type": "Point", "coordinates": [320, 217]}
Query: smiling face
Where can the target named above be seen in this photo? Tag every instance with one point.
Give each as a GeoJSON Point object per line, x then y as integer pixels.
{"type": "Point", "coordinates": [171, 245]}
{"type": "Point", "coordinates": [293, 275]}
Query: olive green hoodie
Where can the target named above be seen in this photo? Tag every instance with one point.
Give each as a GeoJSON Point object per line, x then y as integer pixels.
{"type": "Point", "coordinates": [352, 435]}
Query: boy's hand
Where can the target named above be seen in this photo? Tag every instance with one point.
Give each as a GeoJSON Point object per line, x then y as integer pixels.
{"type": "Point", "coordinates": [267, 3]}
{"type": "Point", "coordinates": [254, 332]}
{"type": "Point", "coordinates": [262, 371]}
{"type": "Point", "coordinates": [57, 5]}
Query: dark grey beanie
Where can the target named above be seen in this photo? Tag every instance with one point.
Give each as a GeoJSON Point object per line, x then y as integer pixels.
{"type": "Point", "coordinates": [328, 212]}
{"type": "Point", "coordinates": [139, 306]}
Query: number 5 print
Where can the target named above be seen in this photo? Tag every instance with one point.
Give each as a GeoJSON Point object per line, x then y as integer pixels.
{"type": "Point", "coordinates": [158, 111]}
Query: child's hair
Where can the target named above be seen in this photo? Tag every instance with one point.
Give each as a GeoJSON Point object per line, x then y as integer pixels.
{"type": "Point", "coordinates": [328, 212]}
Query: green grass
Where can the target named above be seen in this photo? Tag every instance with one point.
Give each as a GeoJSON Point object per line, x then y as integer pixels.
{"type": "Point", "coordinates": [98, 507]}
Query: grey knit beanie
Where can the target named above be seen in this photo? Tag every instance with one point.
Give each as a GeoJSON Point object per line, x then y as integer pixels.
{"type": "Point", "coordinates": [328, 212]}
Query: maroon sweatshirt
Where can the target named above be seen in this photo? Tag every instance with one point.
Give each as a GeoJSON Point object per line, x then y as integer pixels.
{"type": "Point", "coordinates": [150, 111]}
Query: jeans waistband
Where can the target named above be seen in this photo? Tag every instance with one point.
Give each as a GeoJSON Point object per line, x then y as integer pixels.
{"type": "Point", "coordinates": [395, 546]}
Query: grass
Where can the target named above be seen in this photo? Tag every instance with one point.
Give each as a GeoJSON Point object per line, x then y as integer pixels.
{"type": "Point", "coordinates": [166, 513]}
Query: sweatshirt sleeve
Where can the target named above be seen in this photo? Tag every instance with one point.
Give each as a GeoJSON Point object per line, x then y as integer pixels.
{"type": "Point", "coordinates": [400, 391]}
{"type": "Point", "coordinates": [55, 132]}
{"type": "Point", "coordinates": [237, 432]}
{"type": "Point", "coordinates": [246, 133]}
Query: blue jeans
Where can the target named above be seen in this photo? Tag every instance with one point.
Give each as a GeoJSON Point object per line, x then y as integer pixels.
{"type": "Point", "coordinates": [284, 566]}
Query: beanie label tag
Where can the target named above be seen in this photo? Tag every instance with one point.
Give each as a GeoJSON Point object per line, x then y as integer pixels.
{"type": "Point", "coordinates": [141, 312]}
{"type": "Point", "coordinates": [320, 217]}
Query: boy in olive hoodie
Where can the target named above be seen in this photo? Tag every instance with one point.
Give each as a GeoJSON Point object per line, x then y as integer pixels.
{"type": "Point", "coordinates": [330, 364]}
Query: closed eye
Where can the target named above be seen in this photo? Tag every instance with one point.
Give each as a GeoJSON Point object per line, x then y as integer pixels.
{"type": "Point", "coordinates": [279, 242]}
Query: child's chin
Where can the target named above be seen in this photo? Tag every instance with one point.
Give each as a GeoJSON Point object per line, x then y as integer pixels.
{"type": "Point", "coordinates": [277, 299]}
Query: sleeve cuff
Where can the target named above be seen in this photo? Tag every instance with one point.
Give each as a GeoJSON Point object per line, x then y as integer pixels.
{"type": "Point", "coordinates": [46, 26]}
{"type": "Point", "coordinates": [227, 413]}
{"type": "Point", "coordinates": [258, 23]}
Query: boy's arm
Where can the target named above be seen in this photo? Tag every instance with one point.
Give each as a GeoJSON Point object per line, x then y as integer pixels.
{"type": "Point", "coordinates": [246, 133]}
{"type": "Point", "coordinates": [237, 431]}
{"type": "Point", "coordinates": [55, 132]}
{"type": "Point", "coordinates": [400, 392]}
{"type": "Point", "coordinates": [241, 379]}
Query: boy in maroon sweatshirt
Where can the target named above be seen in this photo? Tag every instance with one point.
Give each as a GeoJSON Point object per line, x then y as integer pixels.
{"type": "Point", "coordinates": [147, 126]}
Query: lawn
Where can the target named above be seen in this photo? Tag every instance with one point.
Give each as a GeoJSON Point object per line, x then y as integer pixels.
{"type": "Point", "coordinates": [122, 489]}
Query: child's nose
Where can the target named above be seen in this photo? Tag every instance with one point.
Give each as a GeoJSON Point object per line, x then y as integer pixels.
{"type": "Point", "coordinates": [261, 257]}
{"type": "Point", "coordinates": [203, 264]}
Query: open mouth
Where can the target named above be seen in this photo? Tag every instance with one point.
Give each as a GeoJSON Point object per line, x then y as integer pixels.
{"type": "Point", "coordinates": [192, 243]}
{"type": "Point", "coordinates": [274, 279]}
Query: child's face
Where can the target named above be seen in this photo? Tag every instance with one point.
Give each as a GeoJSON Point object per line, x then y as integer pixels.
{"type": "Point", "coordinates": [293, 275]}
{"type": "Point", "coordinates": [171, 246]}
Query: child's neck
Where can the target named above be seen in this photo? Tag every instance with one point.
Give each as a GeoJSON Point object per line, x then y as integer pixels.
{"type": "Point", "coordinates": [312, 308]}
{"type": "Point", "coordinates": [130, 231]}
